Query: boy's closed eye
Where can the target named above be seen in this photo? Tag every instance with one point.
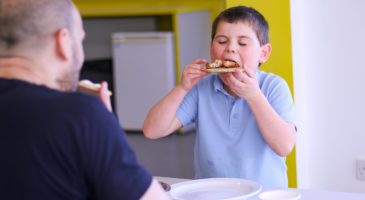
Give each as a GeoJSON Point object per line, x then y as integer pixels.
{"type": "Point", "coordinates": [224, 41]}
{"type": "Point", "coordinates": [221, 41]}
{"type": "Point", "coordinates": [242, 43]}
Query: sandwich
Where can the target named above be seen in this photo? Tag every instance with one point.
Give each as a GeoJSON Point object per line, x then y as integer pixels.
{"type": "Point", "coordinates": [222, 66]}
{"type": "Point", "coordinates": [89, 87]}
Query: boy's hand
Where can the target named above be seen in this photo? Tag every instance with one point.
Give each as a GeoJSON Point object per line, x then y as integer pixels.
{"type": "Point", "coordinates": [244, 84]}
{"type": "Point", "coordinates": [192, 74]}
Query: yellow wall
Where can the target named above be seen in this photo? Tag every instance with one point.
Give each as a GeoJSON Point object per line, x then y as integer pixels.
{"type": "Point", "coordinates": [146, 6]}
{"type": "Point", "coordinates": [277, 13]}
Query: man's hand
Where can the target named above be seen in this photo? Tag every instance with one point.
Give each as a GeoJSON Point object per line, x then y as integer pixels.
{"type": "Point", "coordinates": [104, 95]}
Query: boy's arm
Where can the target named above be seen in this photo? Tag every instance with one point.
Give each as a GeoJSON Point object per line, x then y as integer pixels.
{"type": "Point", "coordinates": [277, 133]}
{"type": "Point", "coordinates": [161, 120]}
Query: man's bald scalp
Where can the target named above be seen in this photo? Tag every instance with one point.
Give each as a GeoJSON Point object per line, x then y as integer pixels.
{"type": "Point", "coordinates": [28, 23]}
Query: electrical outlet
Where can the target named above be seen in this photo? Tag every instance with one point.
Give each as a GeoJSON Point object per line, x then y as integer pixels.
{"type": "Point", "coordinates": [360, 169]}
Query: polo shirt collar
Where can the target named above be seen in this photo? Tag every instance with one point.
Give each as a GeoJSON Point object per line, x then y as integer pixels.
{"type": "Point", "coordinates": [218, 84]}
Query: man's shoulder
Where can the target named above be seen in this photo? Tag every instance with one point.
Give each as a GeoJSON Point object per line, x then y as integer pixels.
{"type": "Point", "coordinates": [78, 101]}
{"type": "Point", "coordinates": [71, 104]}
{"type": "Point", "coordinates": [79, 105]}
{"type": "Point", "coordinates": [83, 114]}
{"type": "Point", "coordinates": [32, 96]}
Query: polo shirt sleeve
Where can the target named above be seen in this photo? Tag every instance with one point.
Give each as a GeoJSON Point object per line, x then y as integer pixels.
{"type": "Point", "coordinates": [281, 100]}
{"type": "Point", "coordinates": [112, 171]}
{"type": "Point", "coordinates": [188, 108]}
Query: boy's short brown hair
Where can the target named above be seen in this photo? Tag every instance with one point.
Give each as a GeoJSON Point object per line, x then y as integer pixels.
{"type": "Point", "coordinates": [248, 15]}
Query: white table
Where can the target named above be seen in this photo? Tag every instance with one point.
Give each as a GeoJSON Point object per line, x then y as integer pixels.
{"type": "Point", "coordinates": [306, 194]}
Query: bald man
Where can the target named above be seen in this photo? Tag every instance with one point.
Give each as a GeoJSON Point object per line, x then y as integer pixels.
{"type": "Point", "coordinates": [56, 143]}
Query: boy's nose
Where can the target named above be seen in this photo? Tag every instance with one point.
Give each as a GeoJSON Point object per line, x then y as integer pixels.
{"type": "Point", "coordinates": [230, 48]}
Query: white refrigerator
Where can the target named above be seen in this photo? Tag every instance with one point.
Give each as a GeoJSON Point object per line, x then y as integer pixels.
{"type": "Point", "coordinates": [143, 72]}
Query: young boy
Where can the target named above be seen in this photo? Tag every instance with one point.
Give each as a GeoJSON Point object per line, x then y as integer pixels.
{"type": "Point", "coordinates": [245, 119]}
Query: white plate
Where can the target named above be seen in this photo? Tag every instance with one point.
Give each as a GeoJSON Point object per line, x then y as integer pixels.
{"type": "Point", "coordinates": [214, 189]}
{"type": "Point", "coordinates": [280, 195]}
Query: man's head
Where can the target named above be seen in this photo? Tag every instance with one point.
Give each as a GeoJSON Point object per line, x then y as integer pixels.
{"type": "Point", "coordinates": [44, 30]}
{"type": "Point", "coordinates": [246, 15]}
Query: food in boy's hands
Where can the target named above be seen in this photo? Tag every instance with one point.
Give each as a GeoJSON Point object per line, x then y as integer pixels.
{"type": "Point", "coordinates": [89, 87]}
{"type": "Point", "coordinates": [219, 66]}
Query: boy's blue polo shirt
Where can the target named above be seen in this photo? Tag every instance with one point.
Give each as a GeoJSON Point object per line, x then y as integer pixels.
{"type": "Point", "coordinates": [228, 142]}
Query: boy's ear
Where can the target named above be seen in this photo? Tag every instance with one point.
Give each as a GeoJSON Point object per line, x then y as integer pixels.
{"type": "Point", "coordinates": [63, 44]}
{"type": "Point", "coordinates": [265, 53]}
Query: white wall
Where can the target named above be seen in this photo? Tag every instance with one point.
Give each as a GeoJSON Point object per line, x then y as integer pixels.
{"type": "Point", "coordinates": [329, 85]}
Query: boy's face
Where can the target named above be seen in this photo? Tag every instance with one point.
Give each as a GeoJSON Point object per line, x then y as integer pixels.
{"type": "Point", "coordinates": [238, 42]}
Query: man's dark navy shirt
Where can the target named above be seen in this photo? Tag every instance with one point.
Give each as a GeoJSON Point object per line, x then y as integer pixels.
{"type": "Point", "coordinates": [57, 145]}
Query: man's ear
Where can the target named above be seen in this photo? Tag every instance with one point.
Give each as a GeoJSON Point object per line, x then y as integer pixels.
{"type": "Point", "coordinates": [63, 44]}
{"type": "Point", "coordinates": [265, 53]}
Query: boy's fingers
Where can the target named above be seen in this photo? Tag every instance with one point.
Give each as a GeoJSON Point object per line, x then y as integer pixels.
{"type": "Point", "coordinates": [104, 95]}
{"type": "Point", "coordinates": [248, 71]}
{"type": "Point", "coordinates": [200, 61]}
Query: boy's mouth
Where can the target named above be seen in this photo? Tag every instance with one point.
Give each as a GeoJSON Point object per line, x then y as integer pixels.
{"type": "Point", "coordinates": [231, 60]}
{"type": "Point", "coordinates": [221, 66]}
